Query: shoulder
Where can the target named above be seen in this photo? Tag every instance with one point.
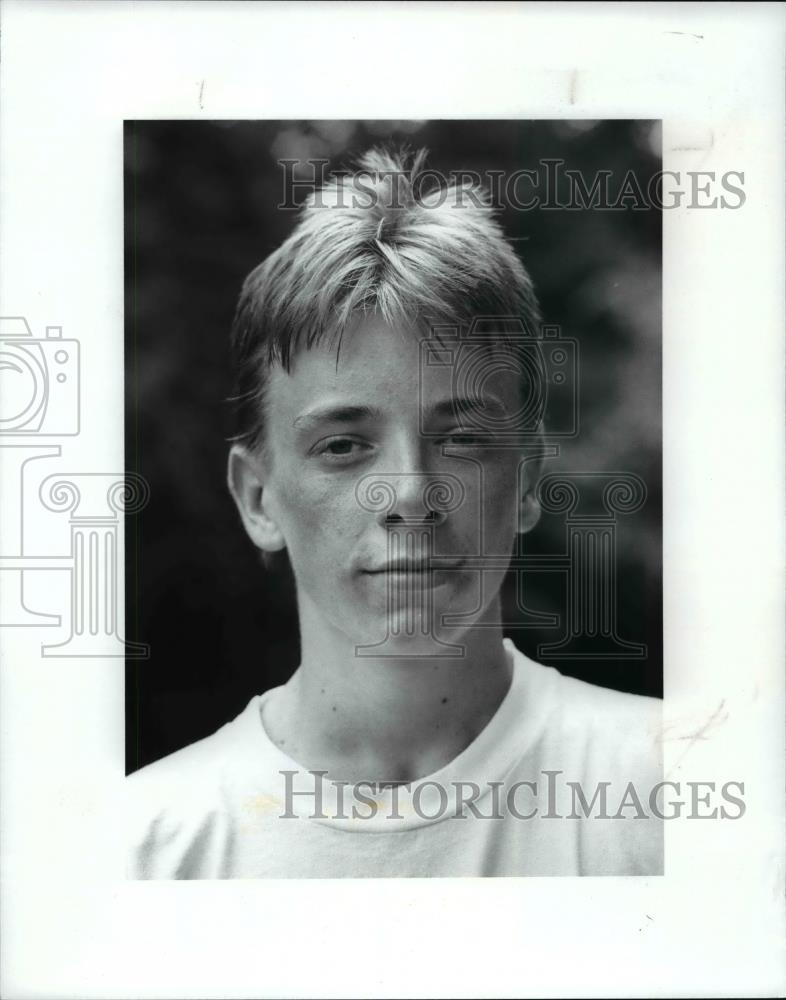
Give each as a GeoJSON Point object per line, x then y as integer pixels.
{"type": "Point", "coordinates": [580, 701]}
{"type": "Point", "coordinates": [186, 768]}
{"type": "Point", "coordinates": [600, 721]}
{"type": "Point", "coordinates": [589, 705]}
{"type": "Point", "coordinates": [184, 794]}
{"type": "Point", "coordinates": [604, 748]}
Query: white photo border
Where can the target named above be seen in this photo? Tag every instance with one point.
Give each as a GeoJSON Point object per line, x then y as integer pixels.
{"type": "Point", "coordinates": [70, 74]}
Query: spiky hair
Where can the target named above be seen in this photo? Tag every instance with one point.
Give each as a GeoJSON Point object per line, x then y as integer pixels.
{"type": "Point", "coordinates": [387, 240]}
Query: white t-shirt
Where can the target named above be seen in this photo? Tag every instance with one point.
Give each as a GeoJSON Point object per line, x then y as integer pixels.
{"type": "Point", "coordinates": [526, 797]}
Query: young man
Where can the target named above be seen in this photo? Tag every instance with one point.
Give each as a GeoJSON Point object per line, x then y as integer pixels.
{"type": "Point", "coordinates": [389, 445]}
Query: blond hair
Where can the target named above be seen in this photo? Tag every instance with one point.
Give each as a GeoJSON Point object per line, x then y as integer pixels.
{"type": "Point", "coordinates": [381, 242]}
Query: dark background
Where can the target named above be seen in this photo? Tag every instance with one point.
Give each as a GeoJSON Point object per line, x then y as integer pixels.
{"type": "Point", "coordinates": [200, 204]}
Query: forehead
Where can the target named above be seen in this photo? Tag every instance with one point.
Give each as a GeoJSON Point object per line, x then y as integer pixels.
{"type": "Point", "coordinates": [390, 367]}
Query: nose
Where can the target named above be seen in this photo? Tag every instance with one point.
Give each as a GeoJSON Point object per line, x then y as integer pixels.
{"type": "Point", "coordinates": [413, 498]}
{"type": "Point", "coordinates": [413, 503]}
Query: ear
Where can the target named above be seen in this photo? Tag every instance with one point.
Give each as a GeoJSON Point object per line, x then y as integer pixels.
{"type": "Point", "coordinates": [246, 480]}
{"type": "Point", "coordinates": [529, 512]}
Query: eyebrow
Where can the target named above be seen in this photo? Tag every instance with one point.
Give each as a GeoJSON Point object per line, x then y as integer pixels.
{"type": "Point", "coordinates": [340, 414]}
{"type": "Point", "coordinates": [354, 414]}
{"type": "Point", "coordinates": [463, 405]}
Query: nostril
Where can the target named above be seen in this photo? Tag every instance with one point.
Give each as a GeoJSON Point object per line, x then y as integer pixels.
{"type": "Point", "coordinates": [428, 517]}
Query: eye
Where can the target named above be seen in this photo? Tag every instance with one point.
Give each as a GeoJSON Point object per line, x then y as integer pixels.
{"type": "Point", "coordinates": [341, 447]}
{"type": "Point", "coordinates": [338, 449]}
{"type": "Point", "coordinates": [465, 439]}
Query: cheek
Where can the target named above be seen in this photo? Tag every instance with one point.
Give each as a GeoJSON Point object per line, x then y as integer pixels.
{"type": "Point", "coordinates": [492, 497]}
{"type": "Point", "coordinates": [318, 516]}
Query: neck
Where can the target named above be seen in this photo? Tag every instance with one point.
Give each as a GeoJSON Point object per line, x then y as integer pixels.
{"type": "Point", "coordinates": [382, 718]}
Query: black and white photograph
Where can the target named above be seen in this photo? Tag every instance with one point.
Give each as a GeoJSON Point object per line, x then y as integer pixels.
{"type": "Point", "coordinates": [392, 478]}
{"type": "Point", "coordinates": [415, 590]}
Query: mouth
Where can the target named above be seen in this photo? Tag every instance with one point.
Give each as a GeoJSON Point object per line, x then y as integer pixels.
{"type": "Point", "coordinates": [414, 567]}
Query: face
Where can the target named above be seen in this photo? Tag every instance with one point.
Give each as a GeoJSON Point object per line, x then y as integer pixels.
{"type": "Point", "coordinates": [381, 493]}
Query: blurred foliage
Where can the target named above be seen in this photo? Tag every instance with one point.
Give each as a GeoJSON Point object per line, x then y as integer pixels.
{"type": "Point", "coordinates": [200, 214]}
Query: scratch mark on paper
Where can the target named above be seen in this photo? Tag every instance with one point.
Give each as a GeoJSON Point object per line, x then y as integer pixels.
{"type": "Point", "coordinates": [574, 80]}
{"type": "Point", "coordinates": [714, 721]}
{"type": "Point", "coordinates": [202, 95]}
{"type": "Point", "coordinates": [694, 148]}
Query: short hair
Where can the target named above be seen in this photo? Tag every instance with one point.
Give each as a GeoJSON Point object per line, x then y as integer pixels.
{"type": "Point", "coordinates": [378, 242]}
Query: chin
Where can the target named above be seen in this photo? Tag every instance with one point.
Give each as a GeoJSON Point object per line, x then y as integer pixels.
{"type": "Point", "coordinates": [409, 635]}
